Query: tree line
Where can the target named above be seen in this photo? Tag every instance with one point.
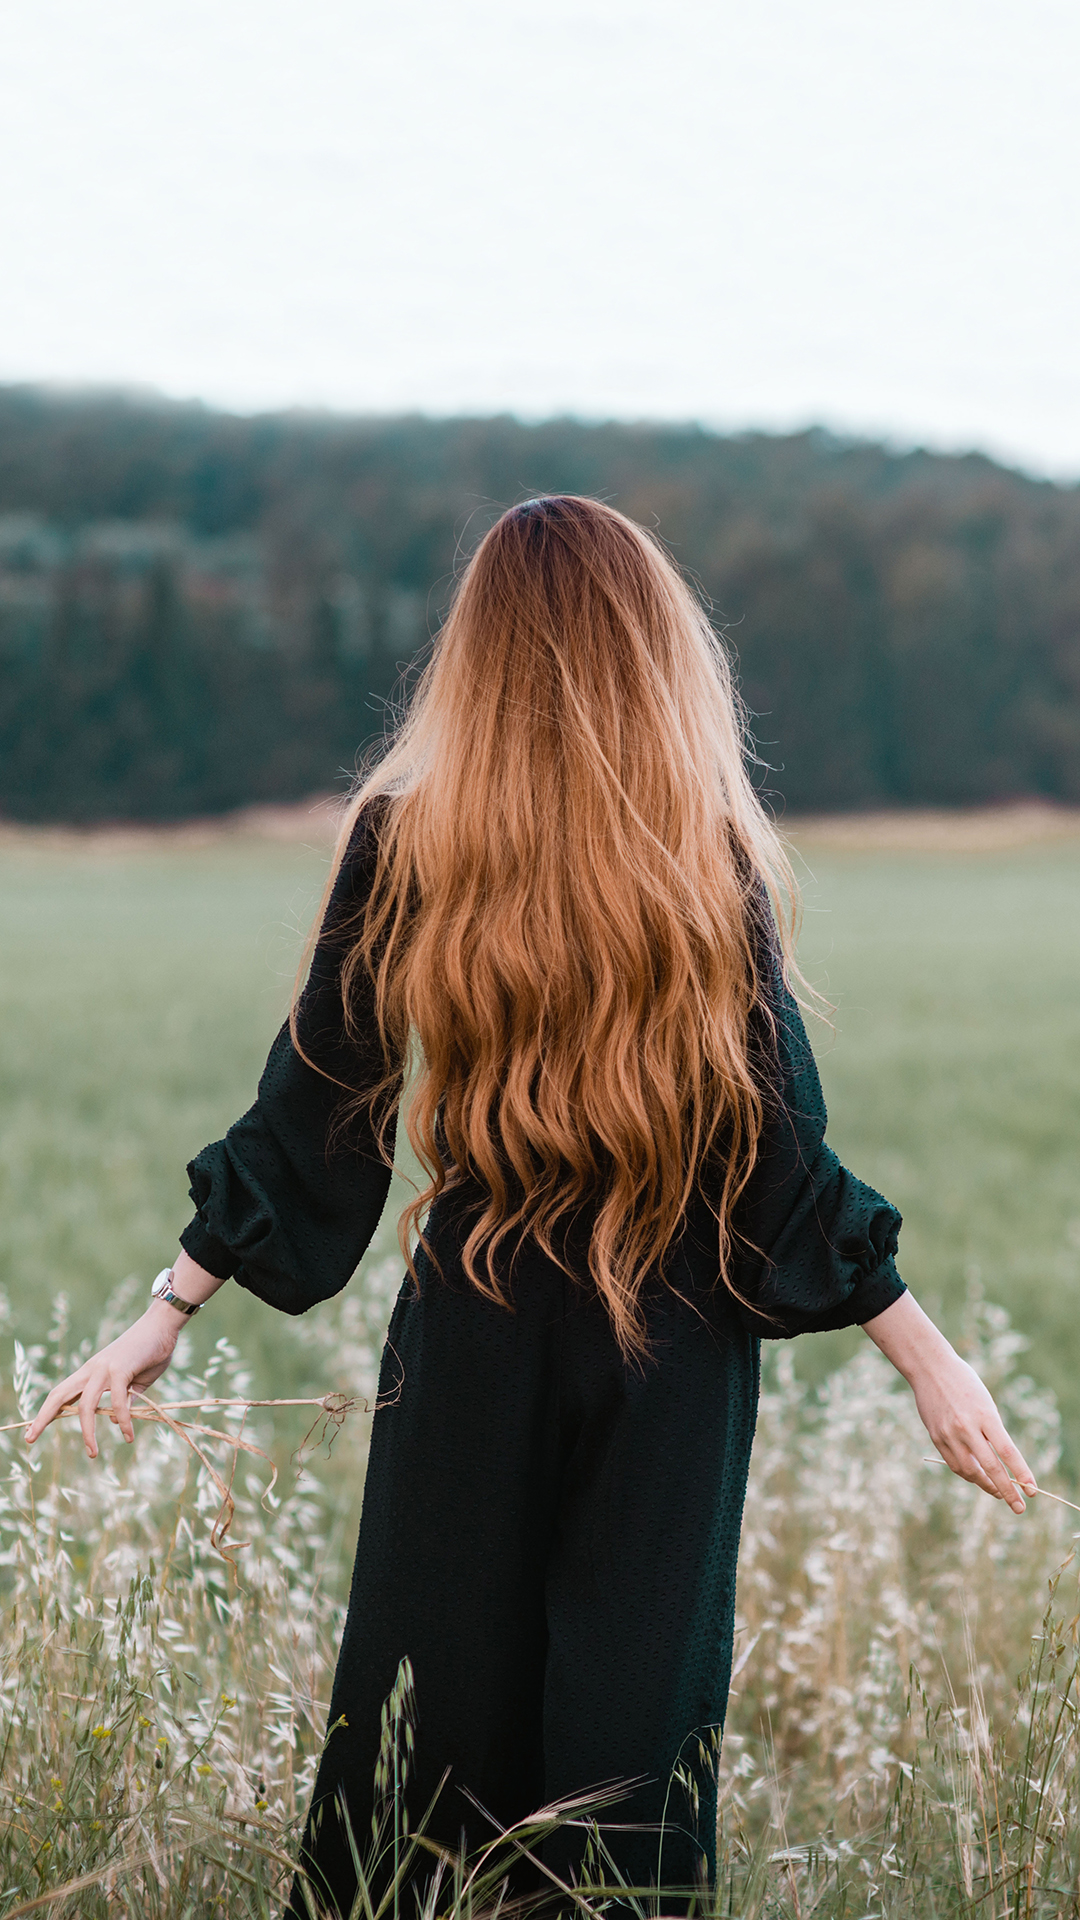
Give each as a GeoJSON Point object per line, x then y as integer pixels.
{"type": "Point", "coordinates": [199, 610]}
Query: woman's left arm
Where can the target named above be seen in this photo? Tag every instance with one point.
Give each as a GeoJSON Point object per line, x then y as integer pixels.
{"type": "Point", "coordinates": [288, 1201]}
{"type": "Point", "coordinates": [131, 1362]}
{"type": "Point", "coordinates": [285, 1205]}
{"type": "Point", "coordinates": [955, 1407]}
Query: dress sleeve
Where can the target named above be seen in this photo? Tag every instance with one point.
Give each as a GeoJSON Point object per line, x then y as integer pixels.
{"type": "Point", "coordinates": [815, 1246]}
{"type": "Point", "coordinates": [288, 1201]}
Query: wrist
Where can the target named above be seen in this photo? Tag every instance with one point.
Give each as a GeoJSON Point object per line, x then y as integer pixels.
{"type": "Point", "coordinates": [926, 1365]}
{"type": "Point", "coordinates": [192, 1282]}
{"type": "Point", "coordinates": [161, 1328]}
{"type": "Point", "coordinates": [908, 1337]}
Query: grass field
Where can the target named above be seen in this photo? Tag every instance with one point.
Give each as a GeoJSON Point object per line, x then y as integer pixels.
{"type": "Point", "coordinates": [954, 1077]}
{"type": "Point", "coordinates": [140, 987]}
{"type": "Point", "coordinates": [140, 992]}
{"type": "Point", "coordinates": [141, 981]}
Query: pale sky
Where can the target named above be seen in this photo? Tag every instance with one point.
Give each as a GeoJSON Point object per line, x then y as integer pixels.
{"type": "Point", "coordinates": [858, 212]}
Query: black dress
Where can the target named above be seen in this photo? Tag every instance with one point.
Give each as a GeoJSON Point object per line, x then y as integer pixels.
{"type": "Point", "coordinates": [550, 1535]}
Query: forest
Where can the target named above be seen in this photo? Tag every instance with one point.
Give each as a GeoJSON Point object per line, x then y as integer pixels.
{"type": "Point", "coordinates": [200, 610]}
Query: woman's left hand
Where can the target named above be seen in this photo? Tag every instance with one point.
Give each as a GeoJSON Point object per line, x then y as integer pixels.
{"type": "Point", "coordinates": [136, 1358]}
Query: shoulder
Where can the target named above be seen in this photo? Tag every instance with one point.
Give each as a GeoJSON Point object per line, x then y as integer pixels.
{"type": "Point", "coordinates": [362, 845]}
{"type": "Point", "coordinates": [357, 863]}
{"type": "Point", "coordinates": [359, 857]}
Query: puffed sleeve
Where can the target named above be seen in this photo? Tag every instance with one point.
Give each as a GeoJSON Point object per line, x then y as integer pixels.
{"type": "Point", "coordinates": [816, 1247]}
{"type": "Point", "coordinates": [288, 1201]}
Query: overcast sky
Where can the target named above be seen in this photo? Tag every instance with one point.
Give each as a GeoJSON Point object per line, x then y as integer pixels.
{"type": "Point", "coordinates": [749, 212]}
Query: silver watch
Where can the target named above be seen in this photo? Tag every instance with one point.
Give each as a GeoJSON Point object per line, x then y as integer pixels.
{"type": "Point", "coordinates": [162, 1290]}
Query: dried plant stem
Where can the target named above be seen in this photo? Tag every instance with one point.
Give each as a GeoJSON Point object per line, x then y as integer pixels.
{"type": "Point", "coordinates": [332, 1406]}
{"type": "Point", "coordinates": [332, 1403]}
{"type": "Point", "coordinates": [935, 1460]}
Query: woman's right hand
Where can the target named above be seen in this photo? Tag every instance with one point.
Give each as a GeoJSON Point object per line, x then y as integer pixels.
{"type": "Point", "coordinates": [136, 1358]}
{"type": "Point", "coordinates": [955, 1407]}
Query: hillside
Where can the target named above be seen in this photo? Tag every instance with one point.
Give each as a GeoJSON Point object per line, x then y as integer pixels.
{"type": "Point", "coordinates": [200, 611]}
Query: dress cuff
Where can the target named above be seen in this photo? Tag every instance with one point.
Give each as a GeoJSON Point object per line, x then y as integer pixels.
{"type": "Point", "coordinates": [207, 1250]}
{"type": "Point", "coordinates": [869, 1297]}
{"type": "Point", "coordinates": [873, 1294]}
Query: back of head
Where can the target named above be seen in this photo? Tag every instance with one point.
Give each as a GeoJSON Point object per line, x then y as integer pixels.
{"type": "Point", "coordinates": [569, 868]}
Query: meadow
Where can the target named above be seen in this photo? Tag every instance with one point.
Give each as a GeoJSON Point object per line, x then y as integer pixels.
{"type": "Point", "coordinates": [889, 1748]}
{"type": "Point", "coordinates": [142, 979]}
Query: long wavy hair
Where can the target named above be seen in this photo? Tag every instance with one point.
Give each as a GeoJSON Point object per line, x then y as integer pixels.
{"type": "Point", "coordinates": [571, 861]}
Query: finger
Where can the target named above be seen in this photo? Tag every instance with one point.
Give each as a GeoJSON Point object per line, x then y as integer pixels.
{"type": "Point", "coordinates": [991, 1474]}
{"type": "Point", "coordinates": [45, 1413]}
{"type": "Point", "coordinates": [1012, 1459]}
{"type": "Point", "coordinates": [121, 1405]}
{"type": "Point", "coordinates": [991, 1453]}
{"type": "Point", "coordinates": [54, 1403]}
{"type": "Point", "coordinates": [999, 1480]}
{"type": "Point", "coordinates": [978, 1476]}
{"type": "Point", "coordinates": [88, 1406]}
{"type": "Point", "coordinates": [958, 1456]}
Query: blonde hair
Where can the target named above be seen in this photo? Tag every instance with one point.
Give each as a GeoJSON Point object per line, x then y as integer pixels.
{"type": "Point", "coordinates": [561, 931]}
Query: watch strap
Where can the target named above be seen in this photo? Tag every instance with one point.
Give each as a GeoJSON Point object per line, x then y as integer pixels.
{"type": "Point", "coordinates": [162, 1290]}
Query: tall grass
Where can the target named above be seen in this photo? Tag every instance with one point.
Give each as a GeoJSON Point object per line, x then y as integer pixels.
{"type": "Point", "coordinates": [902, 1737]}
{"type": "Point", "coordinates": [902, 1732]}
{"type": "Point", "coordinates": [905, 1716]}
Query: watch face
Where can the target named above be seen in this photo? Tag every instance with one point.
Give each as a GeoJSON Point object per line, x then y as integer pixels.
{"type": "Point", "coordinates": [161, 1283]}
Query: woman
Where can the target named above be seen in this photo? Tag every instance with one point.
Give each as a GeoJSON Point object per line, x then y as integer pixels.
{"type": "Point", "coordinates": [551, 904]}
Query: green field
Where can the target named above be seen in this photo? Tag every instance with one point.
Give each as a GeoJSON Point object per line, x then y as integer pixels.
{"type": "Point", "coordinates": [953, 1079]}
{"type": "Point", "coordinates": [140, 988]}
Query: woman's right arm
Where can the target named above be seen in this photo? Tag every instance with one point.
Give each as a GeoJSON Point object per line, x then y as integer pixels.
{"type": "Point", "coordinates": [814, 1246]}
{"type": "Point", "coordinates": [818, 1253]}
